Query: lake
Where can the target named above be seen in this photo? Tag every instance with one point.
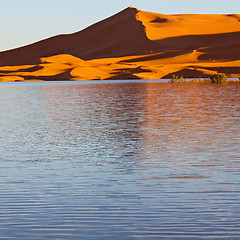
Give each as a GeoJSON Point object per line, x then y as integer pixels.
{"type": "Point", "coordinates": [119, 160]}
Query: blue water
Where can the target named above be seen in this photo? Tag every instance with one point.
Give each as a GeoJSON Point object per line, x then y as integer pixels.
{"type": "Point", "coordinates": [119, 160]}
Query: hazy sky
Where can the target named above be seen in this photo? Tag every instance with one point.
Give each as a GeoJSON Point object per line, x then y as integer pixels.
{"type": "Point", "coordinates": [27, 21]}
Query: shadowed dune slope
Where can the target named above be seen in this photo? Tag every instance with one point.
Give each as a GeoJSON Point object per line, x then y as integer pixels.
{"type": "Point", "coordinates": [119, 35]}
{"type": "Point", "coordinates": [132, 44]}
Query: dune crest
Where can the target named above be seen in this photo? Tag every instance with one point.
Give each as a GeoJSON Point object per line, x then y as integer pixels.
{"type": "Point", "coordinates": [132, 44]}
{"type": "Point", "coordinates": [159, 26]}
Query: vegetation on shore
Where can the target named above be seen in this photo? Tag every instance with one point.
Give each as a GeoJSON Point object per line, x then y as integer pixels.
{"type": "Point", "coordinates": [219, 78]}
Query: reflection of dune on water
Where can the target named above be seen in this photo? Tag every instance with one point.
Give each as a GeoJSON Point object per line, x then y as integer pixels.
{"type": "Point", "coordinates": [107, 124]}
{"type": "Point", "coordinates": [179, 124]}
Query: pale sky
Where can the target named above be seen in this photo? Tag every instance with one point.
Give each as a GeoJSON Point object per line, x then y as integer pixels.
{"type": "Point", "coordinates": [27, 21]}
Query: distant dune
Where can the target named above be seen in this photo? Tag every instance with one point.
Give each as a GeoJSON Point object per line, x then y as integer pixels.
{"type": "Point", "coordinates": [132, 44]}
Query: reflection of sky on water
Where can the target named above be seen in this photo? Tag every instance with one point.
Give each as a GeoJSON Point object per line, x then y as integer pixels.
{"type": "Point", "coordinates": [144, 159]}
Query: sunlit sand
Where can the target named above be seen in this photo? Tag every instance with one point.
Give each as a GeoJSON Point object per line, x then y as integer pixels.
{"type": "Point", "coordinates": [132, 44]}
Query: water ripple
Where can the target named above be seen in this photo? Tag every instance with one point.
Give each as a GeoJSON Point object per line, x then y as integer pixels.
{"type": "Point", "coordinates": [119, 160]}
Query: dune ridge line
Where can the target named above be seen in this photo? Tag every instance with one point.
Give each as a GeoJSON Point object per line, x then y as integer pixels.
{"type": "Point", "coordinates": [132, 44]}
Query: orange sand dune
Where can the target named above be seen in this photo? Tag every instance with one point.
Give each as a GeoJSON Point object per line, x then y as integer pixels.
{"type": "Point", "coordinates": [132, 44]}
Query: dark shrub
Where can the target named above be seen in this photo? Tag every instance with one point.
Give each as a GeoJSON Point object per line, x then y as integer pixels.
{"type": "Point", "coordinates": [219, 78]}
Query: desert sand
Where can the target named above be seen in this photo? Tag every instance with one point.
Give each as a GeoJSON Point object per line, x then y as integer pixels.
{"type": "Point", "coordinates": [132, 44]}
